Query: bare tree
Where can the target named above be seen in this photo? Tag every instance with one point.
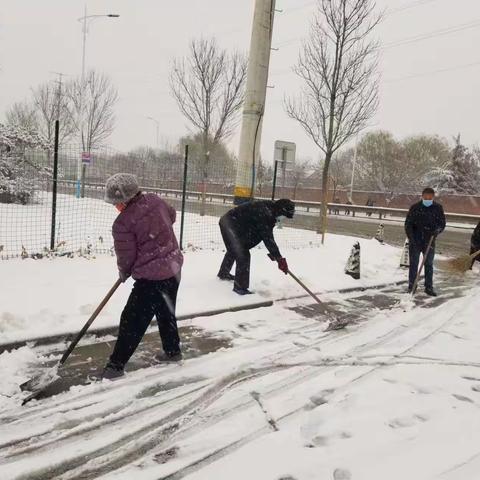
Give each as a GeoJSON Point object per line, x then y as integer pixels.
{"type": "Point", "coordinates": [340, 171]}
{"type": "Point", "coordinates": [51, 103]}
{"type": "Point", "coordinates": [22, 114]}
{"type": "Point", "coordinates": [338, 66]}
{"type": "Point", "coordinates": [208, 87]}
{"type": "Point", "coordinates": [299, 172]}
{"type": "Point", "coordinates": [97, 98]}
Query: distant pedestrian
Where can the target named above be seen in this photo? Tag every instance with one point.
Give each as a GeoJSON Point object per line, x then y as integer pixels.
{"type": "Point", "coordinates": [336, 210]}
{"type": "Point", "coordinates": [146, 249]}
{"type": "Point", "coordinates": [475, 243]}
{"type": "Point", "coordinates": [370, 203]}
{"type": "Point", "coordinates": [347, 210]}
{"type": "Point", "coordinates": [243, 228]}
{"type": "Point", "coordinates": [425, 220]}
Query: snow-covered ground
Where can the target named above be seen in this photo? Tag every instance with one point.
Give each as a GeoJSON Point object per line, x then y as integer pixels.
{"type": "Point", "coordinates": [395, 396]}
{"type": "Point", "coordinates": [47, 297]}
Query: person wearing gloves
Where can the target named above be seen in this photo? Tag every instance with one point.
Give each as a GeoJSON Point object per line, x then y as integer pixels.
{"type": "Point", "coordinates": [425, 220]}
{"type": "Point", "coordinates": [243, 228]}
{"type": "Point", "coordinates": [148, 251]}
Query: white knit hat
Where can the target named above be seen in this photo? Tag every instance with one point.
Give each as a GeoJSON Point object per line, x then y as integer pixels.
{"type": "Point", "coordinates": [120, 188]}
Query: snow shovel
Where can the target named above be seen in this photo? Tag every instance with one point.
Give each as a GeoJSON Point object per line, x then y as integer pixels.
{"type": "Point", "coordinates": [37, 384]}
{"type": "Point", "coordinates": [424, 259]}
{"type": "Point", "coordinates": [335, 323]}
{"type": "Point", "coordinates": [460, 264]}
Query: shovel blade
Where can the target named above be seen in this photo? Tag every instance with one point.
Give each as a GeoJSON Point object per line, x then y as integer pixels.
{"type": "Point", "coordinates": [41, 381]}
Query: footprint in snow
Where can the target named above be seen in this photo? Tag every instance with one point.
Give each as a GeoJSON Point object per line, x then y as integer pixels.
{"type": "Point", "coordinates": [476, 388]}
{"type": "Point", "coordinates": [462, 398]}
{"type": "Point", "coordinates": [406, 422]}
{"type": "Point", "coordinates": [471, 379]}
{"type": "Point", "coordinates": [342, 474]}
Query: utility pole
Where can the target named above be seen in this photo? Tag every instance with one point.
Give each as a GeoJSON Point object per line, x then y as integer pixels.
{"type": "Point", "coordinates": [255, 96]}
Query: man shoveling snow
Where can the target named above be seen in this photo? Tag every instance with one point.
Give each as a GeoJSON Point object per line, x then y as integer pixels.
{"type": "Point", "coordinates": [243, 228]}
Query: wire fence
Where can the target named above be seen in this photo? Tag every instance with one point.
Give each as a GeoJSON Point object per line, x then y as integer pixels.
{"type": "Point", "coordinates": [79, 223]}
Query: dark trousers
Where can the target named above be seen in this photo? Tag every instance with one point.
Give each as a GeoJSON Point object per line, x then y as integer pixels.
{"type": "Point", "coordinates": [149, 298]}
{"type": "Point", "coordinates": [415, 252]}
{"type": "Point", "coordinates": [236, 253]}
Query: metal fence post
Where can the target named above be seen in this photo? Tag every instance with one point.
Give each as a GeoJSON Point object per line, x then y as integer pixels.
{"type": "Point", "coordinates": [274, 185]}
{"type": "Point", "coordinates": [54, 186]}
{"type": "Point", "coordinates": [184, 195]}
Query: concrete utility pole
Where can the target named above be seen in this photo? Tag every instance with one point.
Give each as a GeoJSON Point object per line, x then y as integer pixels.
{"type": "Point", "coordinates": [255, 95]}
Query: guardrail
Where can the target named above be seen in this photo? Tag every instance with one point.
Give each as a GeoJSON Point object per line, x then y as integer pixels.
{"type": "Point", "coordinates": [381, 212]}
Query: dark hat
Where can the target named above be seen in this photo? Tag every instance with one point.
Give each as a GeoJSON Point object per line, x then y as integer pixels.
{"type": "Point", "coordinates": [284, 207]}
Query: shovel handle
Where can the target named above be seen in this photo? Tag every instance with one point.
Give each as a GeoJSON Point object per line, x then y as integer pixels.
{"type": "Point", "coordinates": [305, 288]}
{"type": "Point", "coordinates": [94, 315]}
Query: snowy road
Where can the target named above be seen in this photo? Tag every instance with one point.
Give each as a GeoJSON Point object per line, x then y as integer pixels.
{"type": "Point", "coordinates": [396, 396]}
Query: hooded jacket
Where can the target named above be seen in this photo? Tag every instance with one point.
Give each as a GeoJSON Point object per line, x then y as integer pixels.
{"type": "Point", "coordinates": [144, 240]}
{"type": "Point", "coordinates": [253, 222]}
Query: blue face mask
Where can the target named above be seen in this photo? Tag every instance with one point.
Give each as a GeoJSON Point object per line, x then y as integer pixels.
{"type": "Point", "coordinates": [427, 203]}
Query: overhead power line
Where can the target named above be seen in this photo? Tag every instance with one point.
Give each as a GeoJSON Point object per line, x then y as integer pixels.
{"type": "Point", "coordinates": [434, 72]}
{"type": "Point", "coordinates": [434, 34]}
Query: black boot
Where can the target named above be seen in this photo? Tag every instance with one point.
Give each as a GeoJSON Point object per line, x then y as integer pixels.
{"type": "Point", "coordinates": [111, 372]}
{"type": "Point", "coordinates": [431, 292]}
{"type": "Point", "coordinates": [242, 291]}
{"type": "Point", "coordinates": [170, 357]}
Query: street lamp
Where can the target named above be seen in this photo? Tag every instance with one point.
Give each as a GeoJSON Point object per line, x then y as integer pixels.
{"type": "Point", "coordinates": [85, 155]}
{"type": "Point", "coordinates": [157, 127]}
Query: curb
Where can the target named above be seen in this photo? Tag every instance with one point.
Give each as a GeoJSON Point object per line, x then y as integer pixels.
{"type": "Point", "coordinates": [113, 330]}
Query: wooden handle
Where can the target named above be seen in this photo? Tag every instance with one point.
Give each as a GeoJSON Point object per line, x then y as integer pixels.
{"type": "Point", "coordinates": [305, 288]}
{"type": "Point", "coordinates": [94, 315]}
{"type": "Point", "coordinates": [473, 256]}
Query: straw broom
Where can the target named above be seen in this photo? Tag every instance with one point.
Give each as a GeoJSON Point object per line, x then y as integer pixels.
{"type": "Point", "coordinates": [459, 264]}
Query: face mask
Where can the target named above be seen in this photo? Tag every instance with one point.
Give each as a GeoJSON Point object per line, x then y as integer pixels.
{"type": "Point", "coordinates": [427, 203]}
{"type": "Point", "coordinates": [120, 207]}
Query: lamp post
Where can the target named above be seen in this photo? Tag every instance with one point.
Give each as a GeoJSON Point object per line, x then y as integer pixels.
{"type": "Point", "coordinates": [82, 160]}
{"type": "Point", "coordinates": [157, 123]}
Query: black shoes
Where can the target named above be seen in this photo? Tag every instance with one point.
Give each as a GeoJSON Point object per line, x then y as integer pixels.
{"type": "Point", "coordinates": [170, 357]}
{"type": "Point", "coordinates": [111, 372]}
{"type": "Point", "coordinates": [431, 292]}
{"type": "Point", "coordinates": [226, 277]}
{"type": "Point", "coordinates": [242, 291]}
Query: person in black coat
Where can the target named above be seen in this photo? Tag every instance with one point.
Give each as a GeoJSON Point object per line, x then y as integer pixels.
{"type": "Point", "coordinates": [425, 220]}
{"type": "Point", "coordinates": [243, 228]}
{"type": "Point", "coordinates": [475, 243]}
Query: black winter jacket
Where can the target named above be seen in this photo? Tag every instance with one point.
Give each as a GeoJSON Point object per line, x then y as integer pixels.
{"type": "Point", "coordinates": [423, 222]}
{"type": "Point", "coordinates": [252, 223]}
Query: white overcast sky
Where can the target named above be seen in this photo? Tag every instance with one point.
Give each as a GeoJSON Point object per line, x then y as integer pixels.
{"type": "Point", "coordinates": [38, 37]}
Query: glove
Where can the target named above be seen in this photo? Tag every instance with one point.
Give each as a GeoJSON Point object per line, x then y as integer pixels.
{"type": "Point", "coordinates": [283, 265]}
{"type": "Point", "coordinates": [123, 276]}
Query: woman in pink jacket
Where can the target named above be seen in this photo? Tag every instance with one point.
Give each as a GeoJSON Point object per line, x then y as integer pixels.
{"type": "Point", "coordinates": [148, 251]}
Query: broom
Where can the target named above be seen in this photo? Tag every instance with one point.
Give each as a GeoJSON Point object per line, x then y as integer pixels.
{"type": "Point", "coordinates": [459, 264]}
